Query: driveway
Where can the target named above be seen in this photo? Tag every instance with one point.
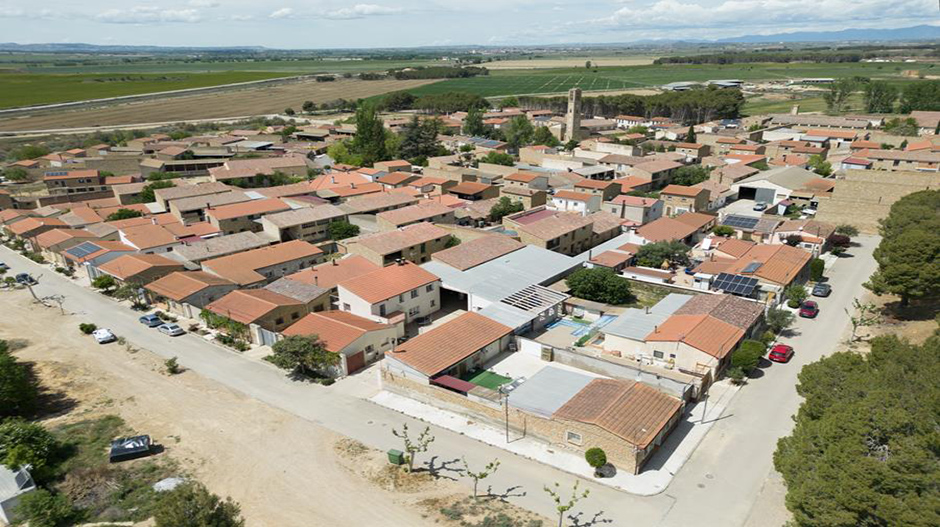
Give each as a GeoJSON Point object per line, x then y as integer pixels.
{"type": "Point", "coordinates": [717, 486]}
{"type": "Point", "coordinates": [741, 207]}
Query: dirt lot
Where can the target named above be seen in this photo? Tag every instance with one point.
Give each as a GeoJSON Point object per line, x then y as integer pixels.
{"type": "Point", "coordinates": [284, 471]}
{"type": "Point", "coordinates": [243, 102]}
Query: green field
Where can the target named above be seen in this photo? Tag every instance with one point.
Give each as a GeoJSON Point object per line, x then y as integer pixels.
{"type": "Point", "coordinates": [25, 89]}
{"type": "Point", "coordinates": [518, 82]}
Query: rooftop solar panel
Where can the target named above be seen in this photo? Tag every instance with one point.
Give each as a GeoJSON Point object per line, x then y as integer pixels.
{"type": "Point", "coordinates": [83, 249]}
{"type": "Point", "coordinates": [740, 222]}
{"type": "Point", "coordinates": [735, 284]}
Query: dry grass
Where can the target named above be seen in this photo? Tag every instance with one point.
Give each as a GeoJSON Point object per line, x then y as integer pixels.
{"type": "Point", "coordinates": [234, 103]}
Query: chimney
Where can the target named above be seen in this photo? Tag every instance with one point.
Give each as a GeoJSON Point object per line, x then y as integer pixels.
{"type": "Point", "coordinates": [333, 261]}
{"type": "Point", "coordinates": [332, 179]}
{"type": "Point", "coordinates": [316, 280]}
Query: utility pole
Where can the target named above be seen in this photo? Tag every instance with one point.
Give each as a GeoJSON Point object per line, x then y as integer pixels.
{"type": "Point", "coordinates": [506, 408]}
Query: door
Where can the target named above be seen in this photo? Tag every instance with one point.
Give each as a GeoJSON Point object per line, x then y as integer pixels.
{"type": "Point", "coordinates": [355, 362]}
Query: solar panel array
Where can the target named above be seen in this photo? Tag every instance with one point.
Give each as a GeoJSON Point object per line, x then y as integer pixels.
{"type": "Point", "coordinates": [740, 222]}
{"type": "Point", "coordinates": [83, 249]}
{"type": "Point", "coordinates": [735, 284]}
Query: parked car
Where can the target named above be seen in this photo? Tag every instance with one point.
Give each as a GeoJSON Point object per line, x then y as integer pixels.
{"type": "Point", "coordinates": [103, 336]}
{"type": "Point", "coordinates": [4, 266]}
{"type": "Point", "coordinates": [25, 279]}
{"type": "Point", "coordinates": [780, 353]}
{"type": "Point", "coordinates": [822, 289]}
{"type": "Point", "coordinates": [172, 330]}
{"type": "Point", "coordinates": [809, 309]}
{"type": "Point", "coordinates": [151, 321]}
{"type": "Point", "coordinates": [759, 206]}
{"type": "Point", "coordinates": [690, 270]}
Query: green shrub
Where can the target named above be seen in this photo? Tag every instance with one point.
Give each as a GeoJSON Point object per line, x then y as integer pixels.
{"type": "Point", "coordinates": [41, 508]}
{"type": "Point", "coordinates": [172, 366]}
{"type": "Point", "coordinates": [816, 269]}
{"type": "Point", "coordinates": [86, 328]}
{"type": "Point", "coordinates": [595, 457]}
{"type": "Point", "coordinates": [748, 355]}
{"type": "Point", "coordinates": [736, 375]}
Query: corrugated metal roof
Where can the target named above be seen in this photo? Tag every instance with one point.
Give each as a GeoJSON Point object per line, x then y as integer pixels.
{"type": "Point", "coordinates": [548, 390]}
{"type": "Point", "coordinates": [636, 324]}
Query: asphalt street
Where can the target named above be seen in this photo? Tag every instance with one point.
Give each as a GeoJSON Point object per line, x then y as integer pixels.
{"type": "Point", "coordinates": [718, 486]}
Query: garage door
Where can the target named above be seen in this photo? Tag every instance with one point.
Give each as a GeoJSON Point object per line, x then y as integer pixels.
{"type": "Point", "coordinates": [355, 362]}
{"type": "Point", "coordinates": [765, 195]}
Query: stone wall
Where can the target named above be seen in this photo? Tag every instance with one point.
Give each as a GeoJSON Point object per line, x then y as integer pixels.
{"type": "Point", "coordinates": [866, 196]}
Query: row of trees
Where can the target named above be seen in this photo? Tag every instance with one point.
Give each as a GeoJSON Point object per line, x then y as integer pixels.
{"type": "Point", "coordinates": [765, 56]}
{"type": "Point", "coordinates": [439, 72]}
{"type": "Point", "coordinates": [447, 102]}
{"type": "Point", "coordinates": [882, 96]}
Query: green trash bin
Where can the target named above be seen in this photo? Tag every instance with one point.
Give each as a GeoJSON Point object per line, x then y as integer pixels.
{"type": "Point", "coordinates": [396, 457]}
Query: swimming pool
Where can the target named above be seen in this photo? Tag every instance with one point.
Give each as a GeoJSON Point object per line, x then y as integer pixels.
{"type": "Point", "coordinates": [583, 329]}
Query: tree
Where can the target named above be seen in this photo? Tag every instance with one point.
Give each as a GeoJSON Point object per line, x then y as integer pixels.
{"type": "Point", "coordinates": [414, 446]}
{"type": "Point", "coordinates": [587, 65]}
{"type": "Point", "coordinates": [397, 101]}
{"type": "Point", "coordinates": [572, 144]}
{"type": "Point", "coordinates": [723, 230]}
{"type": "Point", "coordinates": [690, 175]}
{"type": "Point", "coordinates": [600, 284]}
{"type": "Point", "coordinates": [518, 132]}
{"type": "Point", "coordinates": [192, 505]}
{"type": "Point", "coordinates": [819, 165]}
{"type": "Point", "coordinates": [369, 141]}
{"type": "Point", "coordinates": [690, 135]}
{"type": "Point", "coordinates": [302, 355]}
{"type": "Point", "coordinates": [561, 505]}
{"type": "Point", "coordinates": [309, 106]}
{"type": "Point", "coordinates": [23, 443]}
{"type": "Point", "coordinates": [816, 269]}
{"type": "Point", "coordinates": [41, 508]}
{"type": "Point", "coordinates": [452, 241]}
{"type": "Point", "coordinates": [736, 375]}
{"type": "Point", "coordinates": [509, 102]}
{"type": "Point", "coordinates": [668, 252]}
{"type": "Point", "coordinates": [838, 95]}
{"type": "Point", "coordinates": [487, 471]}
{"type": "Point", "coordinates": [595, 457]}
{"type": "Point", "coordinates": [862, 315]}
{"type": "Point", "coordinates": [104, 282]}
{"type": "Point", "coordinates": [847, 230]}
{"type": "Point", "coordinates": [147, 193]}
{"type": "Point", "coordinates": [124, 214]}
{"type": "Point", "coordinates": [748, 355]}
{"type": "Point", "coordinates": [505, 206]}
{"type": "Point", "coordinates": [419, 140]}
{"type": "Point", "coordinates": [898, 126]}
{"type": "Point", "coordinates": [172, 366]}
{"type": "Point", "coordinates": [880, 97]}
{"type": "Point", "coordinates": [473, 123]}
{"type": "Point", "coordinates": [289, 111]}
{"type": "Point", "coordinates": [498, 158]}
{"type": "Point", "coordinates": [18, 390]}
{"type": "Point", "coordinates": [921, 95]}
{"type": "Point", "coordinates": [341, 229]}
{"type": "Point", "coordinates": [793, 240]}
{"type": "Point", "coordinates": [15, 174]}
{"type": "Point", "coordinates": [543, 136]}
{"type": "Point", "coordinates": [863, 448]}
{"type": "Point", "coordinates": [795, 294]}
{"type": "Point", "coordinates": [29, 152]}
{"type": "Point", "coordinates": [778, 319]}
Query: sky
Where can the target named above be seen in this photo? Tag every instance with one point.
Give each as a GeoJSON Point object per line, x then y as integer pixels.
{"type": "Point", "coordinates": [319, 24]}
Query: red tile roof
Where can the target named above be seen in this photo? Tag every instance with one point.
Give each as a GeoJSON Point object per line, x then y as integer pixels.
{"type": "Point", "coordinates": [441, 348]}
{"type": "Point", "coordinates": [388, 282]}
{"type": "Point", "coordinates": [335, 329]}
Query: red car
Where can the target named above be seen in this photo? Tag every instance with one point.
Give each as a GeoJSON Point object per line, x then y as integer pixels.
{"type": "Point", "coordinates": [809, 309]}
{"type": "Point", "coordinates": [781, 353]}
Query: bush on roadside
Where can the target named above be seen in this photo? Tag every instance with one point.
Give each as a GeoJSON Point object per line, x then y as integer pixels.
{"type": "Point", "coordinates": [41, 508]}
{"type": "Point", "coordinates": [816, 269]}
{"type": "Point", "coordinates": [736, 375]}
{"type": "Point", "coordinates": [86, 328]}
{"type": "Point", "coordinates": [748, 355]}
{"type": "Point", "coordinates": [595, 457]}
{"type": "Point", "coordinates": [172, 366]}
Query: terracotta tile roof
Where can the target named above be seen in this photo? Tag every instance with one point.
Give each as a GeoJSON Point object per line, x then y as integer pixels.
{"type": "Point", "coordinates": [862, 144]}
{"type": "Point", "coordinates": [665, 229]}
{"type": "Point", "coordinates": [30, 224]}
{"type": "Point", "coordinates": [779, 263]}
{"type": "Point", "coordinates": [554, 225]}
{"type": "Point", "coordinates": [329, 274]}
{"type": "Point", "coordinates": [703, 332]}
{"type": "Point", "coordinates": [335, 329]}
{"type": "Point", "coordinates": [735, 247]}
{"type": "Point", "coordinates": [691, 146]}
{"type": "Point", "coordinates": [248, 305]}
{"type": "Point", "coordinates": [746, 159]}
{"type": "Point", "coordinates": [291, 218]}
{"type": "Point", "coordinates": [397, 240]}
{"type": "Point", "coordinates": [396, 178]}
{"type": "Point", "coordinates": [633, 201]}
{"type": "Point", "coordinates": [199, 229]}
{"type": "Point", "coordinates": [523, 177]}
{"type": "Point", "coordinates": [472, 253]}
{"type": "Point", "coordinates": [413, 213]}
{"type": "Point", "coordinates": [439, 349]}
{"type": "Point", "coordinates": [714, 267]}
{"type": "Point", "coordinates": [248, 208]}
{"type": "Point", "coordinates": [739, 312]}
{"type": "Point", "coordinates": [241, 268]}
{"type": "Point", "coordinates": [337, 180]}
{"type": "Point", "coordinates": [147, 236]}
{"type": "Point", "coordinates": [631, 411]}
{"type": "Point", "coordinates": [56, 236]}
{"type": "Point", "coordinates": [572, 195]}
{"type": "Point", "coordinates": [294, 189]}
{"type": "Point", "coordinates": [631, 182]}
{"type": "Point", "coordinates": [596, 184]}
{"type": "Point", "coordinates": [659, 165]}
{"type": "Point", "coordinates": [612, 258]}
{"type": "Point", "coordinates": [695, 219]}
{"type": "Point", "coordinates": [128, 265]}
{"type": "Point", "coordinates": [428, 180]}
{"type": "Point", "coordinates": [188, 191]}
{"type": "Point", "coordinates": [605, 222]}
{"type": "Point", "coordinates": [468, 187]}
{"type": "Point", "coordinates": [353, 190]}
{"type": "Point", "coordinates": [180, 285]}
{"type": "Point", "coordinates": [242, 168]}
{"type": "Point", "coordinates": [812, 227]}
{"type": "Point", "coordinates": [388, 282]}
{"type": "Point", "coordinates": [372, 202]}
{"type": "Point", "coordinates": [747, 148]}
{"type": "Point", "coordinates": [729, 140]}
{"type": "Point", "coordinates": [841, 134]}
{"type": "Point", "coordinates": [679, 190]}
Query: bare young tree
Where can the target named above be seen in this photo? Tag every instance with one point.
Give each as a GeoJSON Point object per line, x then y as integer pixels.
{"type": "Point", "coordinates": [412, 447]}
{"type": "Point", "coordinates": [487, 471]}
{"type": "Point", "coordinates": [862, 315]}
{"type": "Point", "coordinates": [563, 506]}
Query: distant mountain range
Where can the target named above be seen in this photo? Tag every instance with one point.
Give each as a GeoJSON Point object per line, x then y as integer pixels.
{"type": "Point", "coordinates": [95, 48]}
{"type": "Point", "coordinates": [923, 32]}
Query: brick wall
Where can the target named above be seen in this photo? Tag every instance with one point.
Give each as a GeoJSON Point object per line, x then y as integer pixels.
{"type": "Point", "coordinates": [866, 196]}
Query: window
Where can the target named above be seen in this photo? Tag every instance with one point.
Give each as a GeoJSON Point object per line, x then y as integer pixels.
{"type": "Point", "coordinates": [658, 354]}
{"type": "Point", "coordinates": [294, 316]}
{"type": "Point", "coordinates": [573, 437]}
{"type": "Point", "coordinates": [401, 298]}
{"type": "Point", "coordinates": [414, 293]}
{"type": "Point", "coordinates": [413, 311]}
{"type": "Point", "coordinates": [345, 307]}
{"type": "Point", "coordinates": [279, 321]}
{"type": "Point", "coordinates": [429, 288]}
{"type": "Point", "coordinates": [433, 303]}
{"type": "Point", "coordinates": [672, 355]}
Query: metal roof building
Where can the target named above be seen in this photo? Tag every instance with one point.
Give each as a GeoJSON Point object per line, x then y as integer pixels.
{"type": "Point", "coordinates": [548, 390]}
{"type": "Point", "coordinates": [636, 324]}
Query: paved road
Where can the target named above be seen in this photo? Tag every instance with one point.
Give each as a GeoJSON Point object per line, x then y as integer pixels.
{"type": "Point", "coordinates": [717, 487]}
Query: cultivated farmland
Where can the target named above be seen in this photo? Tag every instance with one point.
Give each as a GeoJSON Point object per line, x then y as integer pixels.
{"type": "Point", "coordinates": [234, 103]}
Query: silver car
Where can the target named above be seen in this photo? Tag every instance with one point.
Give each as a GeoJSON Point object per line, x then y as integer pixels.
{"type": "Point", "coordinates": [172, 330]}
{"type": "Point", "coordinates": [103, 336]}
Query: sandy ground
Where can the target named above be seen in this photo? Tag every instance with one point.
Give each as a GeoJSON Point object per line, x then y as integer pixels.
{"type": "Point", "coordinates": [572, 62]}
{"type": "Point", "coordinates": [280, 468]}
{"type": "Point", "coordinates": [235, 103]}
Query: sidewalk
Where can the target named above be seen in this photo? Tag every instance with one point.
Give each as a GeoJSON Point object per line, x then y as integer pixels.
{"type": "Point", "coordinates": [655, 477]}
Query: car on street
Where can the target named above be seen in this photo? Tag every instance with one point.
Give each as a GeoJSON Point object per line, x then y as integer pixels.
{"type": "Point", "coordinates": [759, 206]}
{"type": "Point", "coordinates": [780, 353]}
{"type": "Point", "coordinates": [4, 266]}
{"type": "Point", "coordinates": [103, 336]}
{"type": "Point", "coordinates": [172, 330]}
{"type": "Point", "coordinates": [25, 279]}
{"type": "Point", "coordinates": [151, 321]}
{"type": "Point", "coordinates": [809, 309]}
{"type": "Point", "coordinates": [822, 290]}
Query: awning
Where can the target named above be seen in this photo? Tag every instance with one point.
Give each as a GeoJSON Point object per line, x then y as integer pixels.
{"type": "Point", "coordinates": [453, 383]}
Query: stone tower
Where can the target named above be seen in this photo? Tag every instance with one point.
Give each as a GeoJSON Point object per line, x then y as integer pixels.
{"type": "Point", "coordinates": [573, 115]}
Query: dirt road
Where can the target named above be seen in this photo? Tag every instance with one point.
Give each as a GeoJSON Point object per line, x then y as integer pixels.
{"type": "Point", "coordinates": [238, 102]}
{"type": "Point", "coordinates": [232, 443]}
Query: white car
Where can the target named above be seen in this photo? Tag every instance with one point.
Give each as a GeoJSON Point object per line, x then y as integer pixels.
{"type": "Point", "coordinates": [103, 336]}
{"type": "Point", "coordinates": [172, 330]}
